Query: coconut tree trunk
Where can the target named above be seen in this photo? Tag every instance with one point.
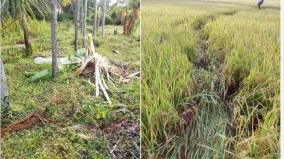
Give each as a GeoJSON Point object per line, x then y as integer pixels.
{"type": "Point", "coordinates": [125, 23]}
{"type": "Point", "coordinates": [24, 25]}
{"type": "Point", "coordinates": [81, 16]}
{"type": "Point", "coordinates": [107, 5]}
{"type": "Point", "coordinates": [95, 17]}
{"type": "Point", "coordinates": [85, 22]}
{"type": "Point", "coordinates": [98, 19]}
{"type": "Point", "coordinates": [4, 89]}
{"type": "Point", "coordinates": [54, 36]}
{"type": "Point", "coordinates": [132, 18]}
{"type": "Point", "coordinates": [104, 17]}
{"type": "Point", "coordinates": [77, 18]}
{"type": "Point", "coordinates": [131, 22]}
{"type": "Point", "coordinates": [3, 83]}
{"type": "Point", "coordinates": [8, 5]}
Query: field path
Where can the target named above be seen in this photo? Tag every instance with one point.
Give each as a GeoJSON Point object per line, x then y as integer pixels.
{"type": "Point", "coordinates": [213, 101]}
{"type": "Point", "coordinates": [236, 4]}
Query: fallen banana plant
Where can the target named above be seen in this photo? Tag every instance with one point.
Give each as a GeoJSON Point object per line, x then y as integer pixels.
{"type": "Point", "coordinates": [92, 65]}
{"type": "Point", "coordinates": [97, 66]}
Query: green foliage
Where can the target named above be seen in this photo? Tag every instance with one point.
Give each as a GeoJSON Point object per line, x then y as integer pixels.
{"type": "Point", "coordinates": [68, 99]}
{"type": "Point", "coordinates": [11, 13]}
{"type": "Point", "coordinates": [65, 17]}
{"type": "Point", "coordinates": [46, 142]}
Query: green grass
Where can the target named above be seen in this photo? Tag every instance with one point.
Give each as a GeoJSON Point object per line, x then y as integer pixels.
{"type": "Point", "coordinates": [52, 140]}
{"type": "Point", "coordinates": [236, 86]}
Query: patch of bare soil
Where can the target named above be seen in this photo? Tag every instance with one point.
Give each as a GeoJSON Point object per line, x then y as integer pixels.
{"type": "Point", "coordinates": [32, 119]}
{"type": "Point", "coordinates": [120, 133]}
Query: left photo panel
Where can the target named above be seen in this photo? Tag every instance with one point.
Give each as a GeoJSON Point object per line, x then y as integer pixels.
{"type": "Point", "coordinates": [70, 79]}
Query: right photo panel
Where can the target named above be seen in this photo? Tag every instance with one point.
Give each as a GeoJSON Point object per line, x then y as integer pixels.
{"type": "Point", "coordinates": [210, 79]}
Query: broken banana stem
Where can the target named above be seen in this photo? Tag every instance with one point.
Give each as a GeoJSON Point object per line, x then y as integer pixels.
{"type": "Point", "coordinates": [97, 79]}
{"type": "Point", "coordinates": [104, 83]}
{"type": "Point", "coordinates": [97, 66]}
{"type": "Point", "coordinates": [104, 91]}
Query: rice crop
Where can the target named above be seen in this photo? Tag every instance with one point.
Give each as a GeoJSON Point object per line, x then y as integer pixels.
{"type": "Point", "coordinates": [211, 79]}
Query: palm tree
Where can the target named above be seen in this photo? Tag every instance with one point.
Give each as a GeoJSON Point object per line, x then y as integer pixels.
{"type": "Point", "coordinates": [95, 16]}
{"type": "Point", "coordinates": [77, 16]}
{"type": "Point", "coordinates": [98, 17]}
{"type": "Point", "coordinates": [129, 23]}
{"type": "Point", "coordinates": [107, 5]}
{"type": "Point", "coordinates": [104, 16]}
{"type": "Point", "coordinates": [81, 11]}
{"type": "Point", "coordinates": [17, 10]}
{"type": "Point", "coordinates": [24, 25]}
{"type": "Point", "coordinates": [84, 22]}
{"type": "Point", "coordinates": [53, 4]}
{"type": "Point", "coordinates": [125, 21]}
{"type": "Point", "coordinates": [4, 89]}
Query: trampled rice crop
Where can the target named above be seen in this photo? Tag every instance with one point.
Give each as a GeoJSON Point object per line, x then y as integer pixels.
{"type": "Point", "coordinates": [211, 79]}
